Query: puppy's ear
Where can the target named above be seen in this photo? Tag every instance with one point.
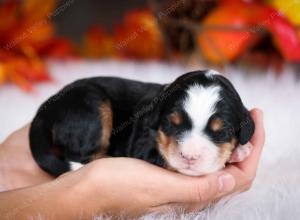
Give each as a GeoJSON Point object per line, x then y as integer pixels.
{"type": "Point", "coordinates": [228, 85]}
{"type": "Point", "coordinates": [189, 75]}
{"type": "Point", "coordinates": [247, 128]}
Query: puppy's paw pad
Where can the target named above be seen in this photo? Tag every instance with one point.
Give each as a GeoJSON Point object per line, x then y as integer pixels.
{"type": "Point", "coordinates": [241, 153]}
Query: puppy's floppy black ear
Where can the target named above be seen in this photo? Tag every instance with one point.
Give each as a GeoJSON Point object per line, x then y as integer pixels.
{"type": "Point", "coordinates": [228, 85]}
{"type": "Point", "coordinates": [247, 128]}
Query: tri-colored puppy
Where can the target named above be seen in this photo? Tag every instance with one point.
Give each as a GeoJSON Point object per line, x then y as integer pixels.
{"type": "Point", "coordinates": [191, 125]}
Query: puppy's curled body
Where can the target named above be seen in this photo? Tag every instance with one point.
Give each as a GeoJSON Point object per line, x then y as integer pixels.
{"type": "Point", "coordinates": [69, 126]}
{"type": "Point", "coordinates": [191, 125]}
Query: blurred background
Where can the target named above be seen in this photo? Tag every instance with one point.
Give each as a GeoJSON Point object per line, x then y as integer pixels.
{"type": "Point", "coordinates": [44, 45]}
{"type": "Point", "coordinates": [259, 34]}
{"type": "Point", "coordinates": [76, 21]}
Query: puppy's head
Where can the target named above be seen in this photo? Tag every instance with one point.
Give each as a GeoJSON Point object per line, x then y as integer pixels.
{"type": "Point", "coordinates": [202, 121]}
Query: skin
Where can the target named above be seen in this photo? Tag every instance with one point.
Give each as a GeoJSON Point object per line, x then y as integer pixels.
{"type": "Point", "coordinates": [125, 186]}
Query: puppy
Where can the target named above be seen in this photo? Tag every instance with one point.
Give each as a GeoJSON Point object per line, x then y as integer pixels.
{"type": "Point", "coordinates": [191, 125]}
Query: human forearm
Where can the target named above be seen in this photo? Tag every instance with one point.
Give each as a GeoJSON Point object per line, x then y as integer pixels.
{"type": "Point", "coordinates": [58, 199]}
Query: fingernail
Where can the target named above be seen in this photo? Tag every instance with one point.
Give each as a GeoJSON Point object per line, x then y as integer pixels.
{"type": "Point", "coordinates": [226, 183]}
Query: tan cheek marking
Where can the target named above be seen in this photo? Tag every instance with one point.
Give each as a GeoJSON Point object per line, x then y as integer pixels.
{"type": "Point", "coordinates": [166, 145]}
{"type": "Point", "coordinates": [216, 124]}
{"type": "Point", "coordinates": [176, 118]}
{"type": "Point", "coordinates": [226, 150]}
{"type": "Point", "coordinates": [106, 117]}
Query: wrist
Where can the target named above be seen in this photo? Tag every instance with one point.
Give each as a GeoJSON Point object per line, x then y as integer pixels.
{"type": "Point", "coordinates": [80, 195]}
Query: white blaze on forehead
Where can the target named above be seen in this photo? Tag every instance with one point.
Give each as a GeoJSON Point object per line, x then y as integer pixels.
{"type": "Point", "coordinates": [200, 104]}
{"type": "Point", "coordinates": [211, 73]}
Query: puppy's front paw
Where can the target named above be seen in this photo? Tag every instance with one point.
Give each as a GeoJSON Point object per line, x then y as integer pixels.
{"type": "Point", "coordinates": [240, 153]}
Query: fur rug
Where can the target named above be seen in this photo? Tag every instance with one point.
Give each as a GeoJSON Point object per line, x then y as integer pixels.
{"type": "Point", "coordinates": [276, 191]}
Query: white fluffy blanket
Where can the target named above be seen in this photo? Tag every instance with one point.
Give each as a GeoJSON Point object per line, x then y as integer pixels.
{"type": "Point", "coordinates": [276, 191]}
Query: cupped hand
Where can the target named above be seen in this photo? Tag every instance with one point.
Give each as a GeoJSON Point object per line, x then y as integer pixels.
{"type": "Point", "coordinates": [132, 187]}
{"type": "Point", "coordinates": [116, 185]}
{"type": "Point", "coordinates": [17, 166]}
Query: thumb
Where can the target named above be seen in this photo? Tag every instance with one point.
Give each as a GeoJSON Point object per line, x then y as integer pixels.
{"type": "Point", "coordinates": [200, 189]}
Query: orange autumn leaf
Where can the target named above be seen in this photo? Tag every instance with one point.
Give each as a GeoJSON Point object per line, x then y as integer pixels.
{"type": "Point", "coordinates": [32, 67]}
{"type": "Point", "coordinates": [21, 82]}
{"type": "Point", "coordinates": [8, 71]}
{"type": "Point", "coordinates": [97, 43]}
{"type": "Point", "coordinates": [36, 36]}
{"type": "Point", "coordinates": [220, 46]}
{"type": "Point", "coordinates": [22, 68]}
{"type": "Point", "coordinates": [30, 70]}
{"type": "Point", "coordinates": [59, 48]}
{"type": "Point", "coordinates": [2, 73]}
{"type": "Point", "coordinates": [40, 35]}
{"type": "Point", "coordinates": [34, 25]}
{"type": "Point", "coordinates": [35, 10]}
{"type": "Point", "coordinates": [8, 10]}
{"type": "Point", "coordinates": [139, 36]}
{"type": "Point", "coordinates": [27, 36]}
{"type": "Point", "coordinates": [23, 72]}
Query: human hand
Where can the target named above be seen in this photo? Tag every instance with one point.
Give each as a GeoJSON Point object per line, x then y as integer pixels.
{"type": "Point", "coordinates": [118, 185]}
{"type": "Point", "coordinates": [245, 170]}
{"type": "Point", "coordinates": [132, 187]}
{"type": "Point", "coordinates": [17, 167]}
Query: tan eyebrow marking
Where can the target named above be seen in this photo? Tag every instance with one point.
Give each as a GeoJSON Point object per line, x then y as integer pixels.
{"type": "Point", "coordinates": [216, 124]}
{"type": "Point", "coordinates": [176, 118]}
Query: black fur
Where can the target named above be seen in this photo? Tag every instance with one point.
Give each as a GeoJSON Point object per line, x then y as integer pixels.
{"type": "Point", "coordinates": [67, 127]}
